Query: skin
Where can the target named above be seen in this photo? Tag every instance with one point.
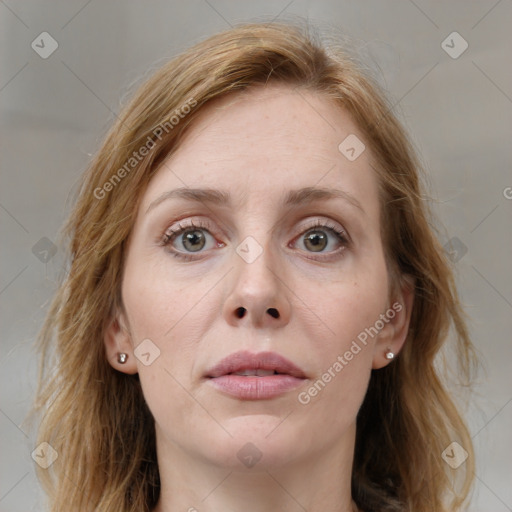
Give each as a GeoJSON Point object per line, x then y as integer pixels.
{"type": "Point", "coordinates": [258, 145]}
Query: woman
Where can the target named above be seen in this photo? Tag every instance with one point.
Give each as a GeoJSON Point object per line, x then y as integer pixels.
{"type": "Point", "coordinates": [255, 299]}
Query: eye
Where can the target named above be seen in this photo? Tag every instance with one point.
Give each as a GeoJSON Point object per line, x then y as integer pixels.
{"type": "Point", "coordinates": [322, 236]}
{"type": "Point", "coordinates": [191, 237]}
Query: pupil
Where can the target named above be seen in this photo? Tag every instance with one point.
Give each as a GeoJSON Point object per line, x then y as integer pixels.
{"type": "Point", "coordinates": [193, 238]}
{"type": "Point", "coordinates": [317, 240]}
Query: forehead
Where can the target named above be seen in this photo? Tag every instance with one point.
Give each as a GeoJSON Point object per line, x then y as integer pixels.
{"type": "Point", "coordinates": [264, 142]}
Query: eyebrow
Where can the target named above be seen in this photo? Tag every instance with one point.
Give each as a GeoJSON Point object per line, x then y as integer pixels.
{"type": "Point", "coordinates": [297, 197]}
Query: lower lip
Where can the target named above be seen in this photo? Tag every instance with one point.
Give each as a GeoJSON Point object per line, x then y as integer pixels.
{"type": "Point", "coordinates": [255, 388]}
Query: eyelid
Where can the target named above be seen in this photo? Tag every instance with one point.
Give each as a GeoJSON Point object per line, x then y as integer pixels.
{"type": "Point", "coordinates": [325, 222]}
{"type": "Point", "coordinates": [204, 223]}
{"type": "Point", "coordinates": [189, 224]}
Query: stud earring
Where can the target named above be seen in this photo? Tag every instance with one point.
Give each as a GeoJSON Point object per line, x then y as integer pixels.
{"type": "Point", "coordinates": [389, 354]}
{"type": "Point", "coordinates": [122, 358]}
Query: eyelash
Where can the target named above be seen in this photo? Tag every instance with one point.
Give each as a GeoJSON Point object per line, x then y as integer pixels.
{"type": "Point", "coordinates": [171, 234]}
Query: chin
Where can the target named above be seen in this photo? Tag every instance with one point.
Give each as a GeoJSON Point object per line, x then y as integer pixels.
{"type": "Point", "coordinates": [259, 442]}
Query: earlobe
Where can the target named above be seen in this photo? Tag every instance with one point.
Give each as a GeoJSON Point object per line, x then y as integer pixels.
{"type": "Point", "coordinates": [392, 337]}
{"type": "Point", "coordinates": [118, 346]}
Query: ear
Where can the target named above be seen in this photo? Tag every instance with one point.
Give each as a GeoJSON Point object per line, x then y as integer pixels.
{"type": "Point", "coordinates": [394, 333]}
{"type": "Point", "coordinates": [117, 340]}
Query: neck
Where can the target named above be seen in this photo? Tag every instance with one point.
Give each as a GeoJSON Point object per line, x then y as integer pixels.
{"type": "Point", "coordinates": [190, 483]}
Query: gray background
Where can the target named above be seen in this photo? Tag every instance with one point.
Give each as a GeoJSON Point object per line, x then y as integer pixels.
{"type": "Point", "coordinates": [55, 110]}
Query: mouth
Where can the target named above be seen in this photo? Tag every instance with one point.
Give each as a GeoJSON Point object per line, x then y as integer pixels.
{"type": "Point", "coordinates": [263, 364]}
{"type": "Point", "coordinates": [249, 376]}
{"type": "Point", "coordinates": [251, 372]}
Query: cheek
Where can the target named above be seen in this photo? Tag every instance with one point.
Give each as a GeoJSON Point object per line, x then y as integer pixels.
{"type": "Point", "coordinates": [344, 353]}
{"type": "Point", "coordinates": [155, 303]}
{"type": "Point", "coordinates": [157, 310]}
{"type": "Point", "coordinates": [345, 308]}
{"type": "Point", "coordinates": [331, 403]}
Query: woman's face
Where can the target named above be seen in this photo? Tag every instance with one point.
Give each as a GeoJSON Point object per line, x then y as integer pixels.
{"type": "Point", "coordinates": [308, 270]}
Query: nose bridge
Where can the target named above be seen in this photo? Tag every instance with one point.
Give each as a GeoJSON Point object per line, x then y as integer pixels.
{"type": "Point", "coordinates": [255, 277]}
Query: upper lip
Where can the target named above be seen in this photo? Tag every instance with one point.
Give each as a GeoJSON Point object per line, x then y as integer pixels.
{"type": "Point", "coordinates": [261, 361]}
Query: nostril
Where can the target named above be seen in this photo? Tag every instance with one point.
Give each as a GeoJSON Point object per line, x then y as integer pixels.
{"type": "Point", "coordinates": [273, 312]}
{"type": "Point", "coordinates": [240, 312]}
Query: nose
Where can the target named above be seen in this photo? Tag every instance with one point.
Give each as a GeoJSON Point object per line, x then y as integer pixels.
{"type": "Point", "coordinates": [259, 296]}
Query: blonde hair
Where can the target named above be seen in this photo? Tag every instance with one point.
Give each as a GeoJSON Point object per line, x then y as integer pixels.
{"type": "Point", "coordinates": [96, 418]}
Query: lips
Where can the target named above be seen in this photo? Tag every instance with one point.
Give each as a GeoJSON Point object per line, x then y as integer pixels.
{"type": "Point", "coordinates": [248, 376]}
{"type": "Point", "coordinates": [261, 364]}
